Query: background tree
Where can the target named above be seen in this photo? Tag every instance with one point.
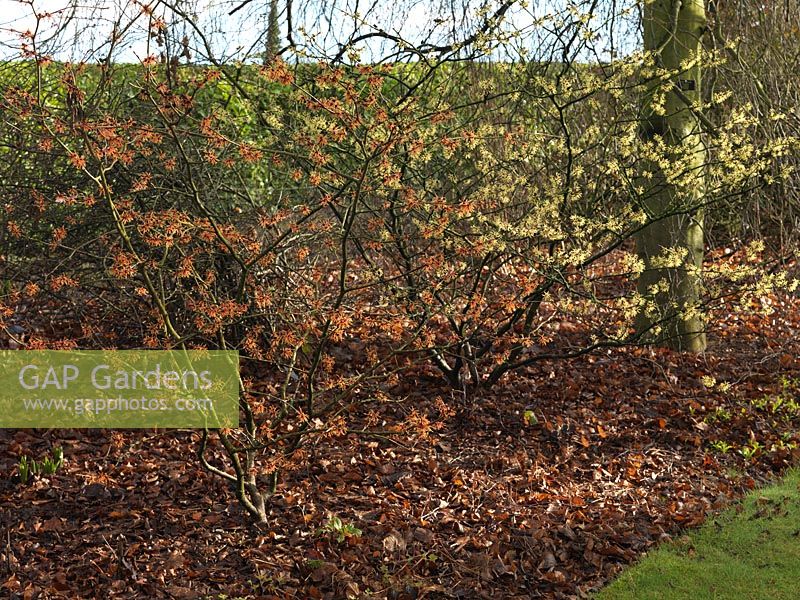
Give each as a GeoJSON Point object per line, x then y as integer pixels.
{"type": "Point", "coordinates": [671, 246]}
{"type": "Point", "coordinates": [273, 32]}
{"type": "Point", "coordinates": [756, 41]}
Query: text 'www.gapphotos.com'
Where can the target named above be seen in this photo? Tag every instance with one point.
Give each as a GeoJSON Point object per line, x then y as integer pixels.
{"type": "Point", "coordinates": [98, 406]}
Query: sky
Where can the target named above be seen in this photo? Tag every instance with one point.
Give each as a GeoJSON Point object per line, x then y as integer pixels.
{"type": "Point", "coordinates": [80, 30]}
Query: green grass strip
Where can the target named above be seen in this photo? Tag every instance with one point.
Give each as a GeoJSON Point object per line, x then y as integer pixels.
{"type": "Point", "coordinates": [751, 551]}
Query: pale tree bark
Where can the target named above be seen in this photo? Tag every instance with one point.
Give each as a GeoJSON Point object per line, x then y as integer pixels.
{"type": "Point", "coordinates": [671, 247]}
{"type": "Point", "coordinates": [273, 32]}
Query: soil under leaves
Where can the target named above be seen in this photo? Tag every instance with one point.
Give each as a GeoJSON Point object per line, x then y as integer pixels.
{"type": "Point", "coordinates": [546, 486]}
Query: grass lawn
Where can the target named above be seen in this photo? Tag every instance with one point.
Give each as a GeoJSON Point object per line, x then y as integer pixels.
{"type": "Point", "coordinates": [752, 551]}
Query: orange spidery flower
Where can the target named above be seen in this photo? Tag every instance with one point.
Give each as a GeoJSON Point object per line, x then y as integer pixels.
{"type": "Point", "coordinates": [278, 72]}
{"type": "Point", "coordinates": [62, 281]}
{"type": "Point", "coordinates": [185, 267]}
{"type": "Point", "coordinates": [77, 161]}
{"type": "Point", "coordinates": [13, 229]}
{"type": "Point", "coordinates": [124, 266]}
{"type": "Point", "coordinates": [250, 154]}
{"type": "Point", "coordinates": [58, 236]}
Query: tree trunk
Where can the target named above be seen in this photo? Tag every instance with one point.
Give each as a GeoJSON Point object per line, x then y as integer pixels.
{"type": "Point", "coordinates": [671, 246]}
{"type": "Point", "coordinates": [273, 33]}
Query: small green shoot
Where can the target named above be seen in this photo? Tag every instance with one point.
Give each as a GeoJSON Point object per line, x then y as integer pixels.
{"type": "Point", "coordinates": [339, 529]}
{"type": "Point", "coordinates": [28, 467]}
{"type": "Point", "coordinates": [51, 465]}
{"type": "Point", "coordinates": [719, 414]}
{"type": "Point", "coordinates": [312, 564]}
{"type": "Point", "coordinates": [721, 446]}
{"type": "Point", "coordinates": [530, 418]}
{"type": "Point", "coordinates": [751, 449]}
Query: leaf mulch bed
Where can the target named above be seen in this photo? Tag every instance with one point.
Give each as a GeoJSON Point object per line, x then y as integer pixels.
{"type": "Point", "coordinates": [544, 487]}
